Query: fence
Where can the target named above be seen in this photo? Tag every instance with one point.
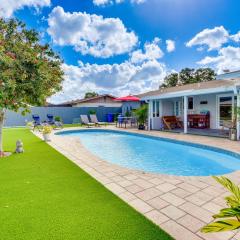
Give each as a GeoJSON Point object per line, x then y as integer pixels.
{"type": "Point", "coordinates": [68, 114]}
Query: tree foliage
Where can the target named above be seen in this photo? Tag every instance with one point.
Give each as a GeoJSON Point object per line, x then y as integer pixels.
{"type": "Point", "coordinates": [30, 71]}
{"type": "Point", "coordinates": [187, 76]}
{"type": "Point", "coordinates": [91, 94]}
{"type": "Point", "coordinates": [230, 217]}
{"type": "Point", "coordinates": [142, 114]}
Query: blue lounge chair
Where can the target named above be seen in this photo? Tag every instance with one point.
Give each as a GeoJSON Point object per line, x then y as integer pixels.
{"type": "Point", "coordinates": [52, 122]}
{"type": "Point", "coordinates": [36, 122]}
{"type": "Point", "coordinates": [50, 119]}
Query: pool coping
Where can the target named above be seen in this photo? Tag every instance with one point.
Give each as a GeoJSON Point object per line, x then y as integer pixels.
{"type": "Point", "coordinates": [180, 205]}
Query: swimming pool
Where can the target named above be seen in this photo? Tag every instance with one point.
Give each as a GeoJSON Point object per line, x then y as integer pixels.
{"type": "Point", "coordinates": [155, 154]}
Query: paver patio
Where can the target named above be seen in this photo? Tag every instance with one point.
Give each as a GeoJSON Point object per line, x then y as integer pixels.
{"type": "Point", "coordinates": [179, 205]}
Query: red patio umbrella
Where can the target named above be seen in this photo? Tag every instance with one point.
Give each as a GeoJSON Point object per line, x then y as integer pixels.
{"type": "Point", "coordinates": [128, 99]}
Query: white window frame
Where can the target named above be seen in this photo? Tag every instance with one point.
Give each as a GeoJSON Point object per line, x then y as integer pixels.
{"type": "Point", "coordinates": [155, 108]}
{"type": "Point", "coordinates": [218, 107]}
{"type": "Point", "coordinates": [180, 107]}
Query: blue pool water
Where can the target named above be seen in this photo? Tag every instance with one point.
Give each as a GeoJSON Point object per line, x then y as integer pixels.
{"type": "Point", "coordinates": [153, 154]}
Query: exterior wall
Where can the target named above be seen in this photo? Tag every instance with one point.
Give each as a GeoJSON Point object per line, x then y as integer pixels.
{"type": "Point", "coordinates": [66, 113]}
{"type": "Point", "coordinates": [211, 106]}
{"type": "Point", "coordinates": [167, 107]}
{"type": "Point", "coordinates": [229, 75]}
{"type": "Point", "coordinates": [156, 123]}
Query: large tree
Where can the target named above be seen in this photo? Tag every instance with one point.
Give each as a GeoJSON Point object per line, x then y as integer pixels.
{"type": "Point", "coordinates": [170, 80]}
{"type": "Point", "coordinates": [91, 94]}
{"type": "Point", "coordinates": [30, 71]}
{"type": "Point", "coordinates": [187, 76]}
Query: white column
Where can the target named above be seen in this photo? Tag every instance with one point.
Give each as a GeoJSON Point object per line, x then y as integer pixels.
{"type": "Point", "coordinates": [185, 110]}
{"type": "Point", "coordinates": [238, 118]}
{"type": "Point", "coordinates": [149, 114]}
{"type": "Point", "coordinates": [161, 113]}
{"type": "Point", "coordinates": [152, 120]}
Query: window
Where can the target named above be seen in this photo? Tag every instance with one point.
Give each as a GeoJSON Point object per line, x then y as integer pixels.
{"type": "Point", "coordinates": [157, 108]}
{"type": "Point", "coordinates": [154, 109]}
{"type": "Point", "coordinates": [190, 103]}
{"type": "Point", "coordinates": [178, 108]}
{"type": "Point", "coordinates": [156, 112]}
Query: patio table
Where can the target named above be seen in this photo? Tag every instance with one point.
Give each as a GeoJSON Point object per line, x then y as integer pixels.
{"type": "Point", "coordinates": [124, 120]}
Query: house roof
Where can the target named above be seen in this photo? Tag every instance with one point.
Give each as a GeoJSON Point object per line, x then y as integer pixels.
{"type": "Point", "coordinates": [89, 99]}
{"type": "Point", "coordinates": [228, 75]}
{"type": "Point", "coordinates": [193, 89]}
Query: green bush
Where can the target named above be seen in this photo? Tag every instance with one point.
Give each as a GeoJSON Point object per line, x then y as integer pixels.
{"type": "Point", "coordinates": [58, 119]}
{"type": "Point", "coordinates": [230, 217]}
{"type": "Point", "coordinates": [142, 114]}
{"type": "Point", "coordinates": [92, 112]}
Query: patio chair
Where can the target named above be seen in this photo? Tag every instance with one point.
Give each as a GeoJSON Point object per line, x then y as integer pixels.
{"type": "Point", "coordinates": [134, 121]}
{"type": "Point", "coordinates": [120, 120]}
{"type": "Point", "coordinates": [85, 120]}
{"type": "Point", "coordinates": [94, 119]}
{"type": "Point", "coordinates": [50, 119]}
{"type": "Point", "coordinates": [36, 122]}
{"type": "Point", "coordinates": [52, 122]}
{"type": "Point", "coordinates": [171, 122]}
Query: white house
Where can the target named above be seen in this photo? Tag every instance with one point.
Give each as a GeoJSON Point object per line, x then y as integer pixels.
{"type": "Point", "coordinates": [216, 98]}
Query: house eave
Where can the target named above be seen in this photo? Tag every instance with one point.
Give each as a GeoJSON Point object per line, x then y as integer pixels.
{"type": "Point", "coordinates": [191, 92]}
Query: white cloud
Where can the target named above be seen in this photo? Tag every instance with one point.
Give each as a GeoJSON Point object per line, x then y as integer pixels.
{"type": "Point", "coordinates": [212, 38]}
{"type": "Point", "coordinates": [90, 34]}
{"type": "Point", "coordinates": [7, 7]}
{"type": "Point", "coordinates": [118, 79]}
{"type": "Point", "coordinates": [101, 2]}
{"type": "Point", "coordinates": [227, 58]}
{"type": "Point", "coordinates": [105, 2]}
{"type": "Point", "coordinates": [170, 45]}
{"type": "Point", "coordinates": [152, 51]}
{"type": "Point", "coordinates": [236, 37]}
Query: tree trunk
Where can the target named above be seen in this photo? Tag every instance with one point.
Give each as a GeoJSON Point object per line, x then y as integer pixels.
{"type": "Point", "coordinates": [1, 132]}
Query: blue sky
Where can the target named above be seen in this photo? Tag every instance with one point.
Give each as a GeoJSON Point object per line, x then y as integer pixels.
{"type": "Point", "coordinates": [129, 46]}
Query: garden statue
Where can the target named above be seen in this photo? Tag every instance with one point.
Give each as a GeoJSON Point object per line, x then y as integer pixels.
{"type": "Point", "coordinates": [19, 147]}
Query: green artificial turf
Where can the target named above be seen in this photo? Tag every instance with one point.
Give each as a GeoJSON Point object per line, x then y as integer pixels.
{"type": "Point", "coordinates": [45, 196]}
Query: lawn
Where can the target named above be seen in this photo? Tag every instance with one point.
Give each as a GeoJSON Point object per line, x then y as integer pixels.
{"type": "Point", "coordinates": [45, 196]}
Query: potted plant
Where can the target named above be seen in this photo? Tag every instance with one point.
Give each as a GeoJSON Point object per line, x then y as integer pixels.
{"type": "Point", "coordinates": [142, 115]}
{"type": "Point", "coordinates": [233, 127]}
{"type": "Point", "coordinates": [46, 133]}
{"type": "Point", "coordinates": [92, 112]}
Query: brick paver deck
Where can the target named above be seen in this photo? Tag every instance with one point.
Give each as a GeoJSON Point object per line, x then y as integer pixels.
{"type": "Point", "coordinates": [179, 205]}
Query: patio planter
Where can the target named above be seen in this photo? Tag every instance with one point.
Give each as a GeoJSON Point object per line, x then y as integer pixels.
{"type": "Point", "coordinates": [233, 134]}
{"type": "Point", "coordinates": [46, 137]}
{"type": "Point", "coordinates": [141, 127]}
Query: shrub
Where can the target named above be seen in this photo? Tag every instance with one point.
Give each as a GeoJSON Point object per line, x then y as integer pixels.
{"type": "Point", "coordinates": [92, 112]}
{"type": "Point", "coordinates": [47, 129]}
{"type": "Point", "coordinates": [142, 114]}
{"type": "Point", "coordinates": [230, 217]}
{"type": "Point", "coordinates": [58, 119]}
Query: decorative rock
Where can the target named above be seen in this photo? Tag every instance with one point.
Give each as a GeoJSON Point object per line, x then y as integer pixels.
{"type": "Point", "coordinates": [19, 147]}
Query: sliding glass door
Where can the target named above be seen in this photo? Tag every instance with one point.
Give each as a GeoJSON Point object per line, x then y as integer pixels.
{"type": "Point", "coordinates": [225, 109]}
